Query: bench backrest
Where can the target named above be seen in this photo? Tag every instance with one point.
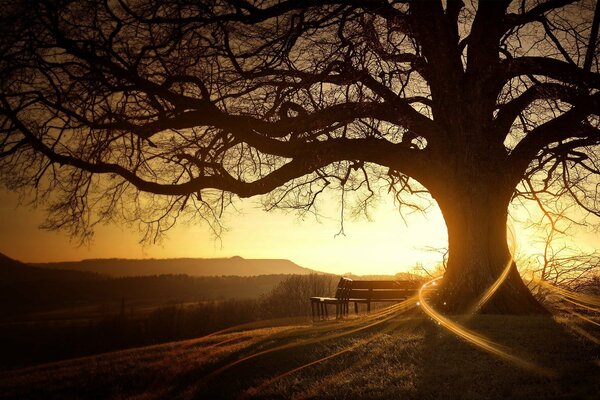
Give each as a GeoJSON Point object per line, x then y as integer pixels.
{"type": "Point", "coordinates": [383, 290]}
{"type": "Point", "coordinates": [344, 286]}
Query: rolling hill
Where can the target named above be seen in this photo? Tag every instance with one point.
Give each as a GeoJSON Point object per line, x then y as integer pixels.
{"type": "Point", "coordinates": [27, 289]}
{"type": "Point", "coordinates": [405, 357]}
{"type": "Point", "coordinates": [237, 266]}
{"type": "Point", "coordinates": [13, 271]}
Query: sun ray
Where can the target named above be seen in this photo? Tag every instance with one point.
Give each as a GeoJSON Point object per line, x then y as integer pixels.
{"type": "Point", "coordinates": [475, 339]}
{"type": "Point", "coordinates": [380, 317]}
{"type": "Point", "coordinates": [584, 300]}
{"type": "Point", "coordinates": [570, 324]}
{"type": "Point", "coordinates": [487, 295]}
{"type": "Point", "coordinates": [404, 306]}
{"type": "Point", "coordinates": [580, 316]}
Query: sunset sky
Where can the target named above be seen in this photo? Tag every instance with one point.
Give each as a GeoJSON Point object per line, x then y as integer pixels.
{"type": "Point", "coordinates": [385, 245]}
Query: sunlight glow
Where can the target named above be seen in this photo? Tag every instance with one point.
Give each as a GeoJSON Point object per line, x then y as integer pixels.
{"type": "Point", "coordinates": [395, 310]}
{"type": "Point", "coordinates": [387, 243]}
{"type": "Point", "coordinates": [313, 391]}
{"type": "Point", "coordinates": [588, 301]}
{"type": "Point", "coordinates": [571, 324]}
{"type": "Point", "coordinates": [474, 338]}
{"type": "Point", "coordinates": [582, 300]}
{"type": "Point", "coordinates": [357, 325]}
{"type": "Point", "coordinates": [253, 391]}
{"type": "Point", "coordinates": [583, 317]}
{"type": "Point", "coordinates": [487, 295]}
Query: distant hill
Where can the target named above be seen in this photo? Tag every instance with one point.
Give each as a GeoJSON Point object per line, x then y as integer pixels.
{"type": "Point", "coordinates": [28, 288]}
{"type": "Point", "coordinates": [20, 298]}
{"type": "Point", "coordinates": [13, 271]}
{"type": "Point", "coordinates": [238, 266]}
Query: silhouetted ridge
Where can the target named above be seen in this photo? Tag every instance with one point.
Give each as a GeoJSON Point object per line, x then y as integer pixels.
{"type": "Point", "coordinates": [13, 271]}
{"type": "Point", "coordinates": [236, 265]}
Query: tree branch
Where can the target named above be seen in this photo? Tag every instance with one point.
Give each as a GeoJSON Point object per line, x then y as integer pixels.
{"type": "Point", "coordinates": [508, 112]}
{"type": "Point", "coordinates": [549, 67]}
{"type": "Point", "coordinates": [514, 20]}
{"type": "Point", "coordinates": [568, 125]}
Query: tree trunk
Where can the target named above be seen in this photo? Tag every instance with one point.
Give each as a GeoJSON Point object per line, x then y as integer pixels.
{"type": "Point", "coordinates": [476, 217]}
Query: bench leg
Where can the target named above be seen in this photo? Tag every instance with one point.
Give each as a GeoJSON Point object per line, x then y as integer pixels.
{"type": "Point", "coordinates": [326, 312]}
{"type": "Point", "coordinates": [356, 308]}
{"type": "Point", "coordinates": [369, 307]}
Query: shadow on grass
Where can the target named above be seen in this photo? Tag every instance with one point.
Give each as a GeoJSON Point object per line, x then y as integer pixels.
{"type": "Point", "coordinates": [411, 357]}
{"type": "Point", "coordinates": [402, 355]}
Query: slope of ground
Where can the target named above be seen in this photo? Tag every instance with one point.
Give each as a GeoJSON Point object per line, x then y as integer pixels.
{"type": "Point", "coordinates": [17, 272]}
{"type": "Point", "coordinates": [388, 356]}
{"type": "Point", "coordinates": [238, 266]}
{"type": "Point", "coordinates": [19, 298]}
{"type": "Point", "coordinates": [27, 289]}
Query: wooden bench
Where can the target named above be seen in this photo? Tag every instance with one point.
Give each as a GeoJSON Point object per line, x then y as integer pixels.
{"type": "Point", "coordinates": [318, 305]}
{"type": "Point", "coordinates": [367, 292]}
{"type": "Point", "coordinates": [363, 292]}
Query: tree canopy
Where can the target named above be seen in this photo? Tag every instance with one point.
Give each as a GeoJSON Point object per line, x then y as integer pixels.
{"type": "Point", "coordinates": [150, 109]}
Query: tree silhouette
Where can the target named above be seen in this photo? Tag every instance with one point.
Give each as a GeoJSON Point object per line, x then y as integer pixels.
{"type": "Point", "coordinates": [148, 110]}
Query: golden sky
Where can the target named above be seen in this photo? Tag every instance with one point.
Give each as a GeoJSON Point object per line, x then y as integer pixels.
{"type": "Point", "coordinates": [385, 245]}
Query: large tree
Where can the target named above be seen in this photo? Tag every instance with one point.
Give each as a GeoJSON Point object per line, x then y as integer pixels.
{"type": "Point", "coordinates": [151, 109]}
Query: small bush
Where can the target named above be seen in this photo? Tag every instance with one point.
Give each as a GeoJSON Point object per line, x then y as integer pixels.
{"type": "Point", "coordinates": [290, 298]}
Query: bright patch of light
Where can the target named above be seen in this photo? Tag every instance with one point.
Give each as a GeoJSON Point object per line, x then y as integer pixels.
{"type": "Point", "coordinates": [475, 339]}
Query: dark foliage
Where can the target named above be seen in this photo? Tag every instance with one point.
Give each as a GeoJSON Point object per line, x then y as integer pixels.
{"type": "Point", "coordinates": [122, 326]}
{"type": "Point", "coordinates": [18, 299]}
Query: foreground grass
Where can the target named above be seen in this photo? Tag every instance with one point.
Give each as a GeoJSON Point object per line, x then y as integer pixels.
{"type": "Point", "coordinates": [397, 356]}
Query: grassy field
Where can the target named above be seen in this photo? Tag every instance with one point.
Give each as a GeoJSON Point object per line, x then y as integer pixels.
{"type": "Point", "coordinates": [51, 334]}
{"type": "Point", "coordinates": [399, 355]}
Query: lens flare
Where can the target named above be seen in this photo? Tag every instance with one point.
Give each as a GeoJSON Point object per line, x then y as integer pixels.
{"type": "Point", "coordinates": [266, 323]}
{"type": "Point", "coordinates": [588, 301]}
{"type": "Point", "coordinates": [581, 300]}
{"type": "Point", "coordinates": [581, 304]}
{"type": "Point", "coordinates": [314, 389]}
{"type": "Point", "coordinates": [268, 382]}
{"type": "Point", "coordinates": [357, 326]}
{"type": "Point", "coordinates": [583, 317]}
{"type": "Point", "coordinates": [395, 309]}
{"type": "Point", "coordinates": [474, 338]}
{"type": "Point", "coordinates": [571, 324]}
{"type": "Point", "coordinates": [487, 295]}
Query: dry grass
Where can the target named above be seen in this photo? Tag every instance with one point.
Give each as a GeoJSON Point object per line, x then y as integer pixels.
{"type": "Point", "coordinates": [373, 357]}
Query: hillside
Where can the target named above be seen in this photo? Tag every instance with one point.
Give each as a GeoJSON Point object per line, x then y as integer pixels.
{"type": "Point", "coordinates": [406, 357]}
{"type": "Point", "coordinates": [116, 267]}
{"type": "Point", "coordinates": [43, 294]}
{"type": "Point", "coordinates": [26, 289]}
{"type": "Point", "coordinates": [13, 271]}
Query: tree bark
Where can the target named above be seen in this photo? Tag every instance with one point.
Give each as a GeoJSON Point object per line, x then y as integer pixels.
{"type": "Point", "coordinates": [475, 212]}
